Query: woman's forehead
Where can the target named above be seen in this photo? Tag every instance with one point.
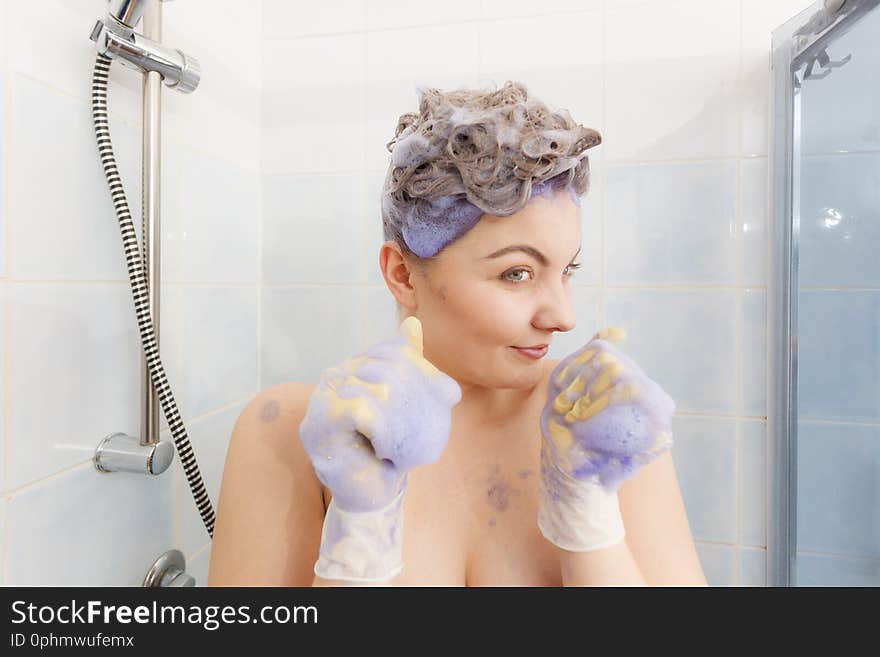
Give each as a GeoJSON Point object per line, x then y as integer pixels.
{"type": "Point", "coordinates": [548, 222]}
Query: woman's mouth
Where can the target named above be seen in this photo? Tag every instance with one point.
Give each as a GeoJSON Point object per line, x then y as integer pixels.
{"type": "Point", "coordinates": [533, 353]}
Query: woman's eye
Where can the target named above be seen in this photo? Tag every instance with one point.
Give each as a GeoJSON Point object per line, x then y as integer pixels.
{"type": "Point", "coordinates": [569, 271]}
{"type": "Point", "coordinates": [515, 271]}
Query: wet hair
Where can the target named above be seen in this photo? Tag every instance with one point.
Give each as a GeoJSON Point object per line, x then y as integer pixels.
{"type": "Point", "coordinates": [473, 151]}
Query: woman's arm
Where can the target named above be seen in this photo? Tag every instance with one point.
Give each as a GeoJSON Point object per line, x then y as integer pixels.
{"type": "Point", "coordinates": [270, 510]}
{"type": "Point", "coordinates": [611, 566]}
{"type": "Point", "coordinates": [657, 530]}
{"type": "Point", "coordinates": [320, 581]}
{"type": "Point", "coordinates": [658, 549]}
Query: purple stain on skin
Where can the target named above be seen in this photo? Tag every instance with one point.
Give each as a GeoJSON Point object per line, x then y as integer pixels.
{"type": "Point", "coordinates": [492, 521]}
{"type": "Point", "coordinates": [523, 474]}
{"type": "Point", "coordinates": [442, 293]}
{"type": "Point", "coordinates": [499, 491]}
{"type": "Point", "coordinates": [499, 496]}
{"type": "Point", "coordinates": [270, 411]}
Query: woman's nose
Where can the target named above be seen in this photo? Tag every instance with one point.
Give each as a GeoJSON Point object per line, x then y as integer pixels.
{"type": "Point", "coordinates": [556, 311]}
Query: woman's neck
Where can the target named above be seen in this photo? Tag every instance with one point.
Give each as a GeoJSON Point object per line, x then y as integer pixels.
{"type": "Point", "coordinates": [493, 405]}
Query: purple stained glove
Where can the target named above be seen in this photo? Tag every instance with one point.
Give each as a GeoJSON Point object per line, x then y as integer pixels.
{"type": "Point", "coordinates": [603, 420]}
{"type": "Point", "coordinates": [369, 422]}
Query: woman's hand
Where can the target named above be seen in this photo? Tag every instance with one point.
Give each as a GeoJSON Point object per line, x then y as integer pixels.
{"type": "Point", "coordinates": [604, 419]}
{"type": "Point", "coordinates": [369, 422]}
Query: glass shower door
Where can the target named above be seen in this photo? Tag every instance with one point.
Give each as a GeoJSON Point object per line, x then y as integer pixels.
{"type": "Point", "coordinates": [835, 297]}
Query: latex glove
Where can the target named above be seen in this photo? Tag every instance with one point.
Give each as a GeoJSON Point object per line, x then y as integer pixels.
{"type": "Point", "coordinates": [370, 421]}
{"type": "Point", "coordinates": [604, 419]}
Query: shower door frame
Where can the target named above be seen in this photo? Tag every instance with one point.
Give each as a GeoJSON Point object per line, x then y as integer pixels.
{"type": "Point", "coordinates": [789, 52]}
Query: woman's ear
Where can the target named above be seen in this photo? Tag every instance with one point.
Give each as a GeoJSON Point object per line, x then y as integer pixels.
{"type": "Point", "coordinates": [397, 273]}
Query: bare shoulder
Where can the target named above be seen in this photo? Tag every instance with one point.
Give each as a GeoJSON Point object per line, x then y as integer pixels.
{"type": "Point", "coordinates": [270, 511]}
{"type": "Point", "coordinates": [274, 415]}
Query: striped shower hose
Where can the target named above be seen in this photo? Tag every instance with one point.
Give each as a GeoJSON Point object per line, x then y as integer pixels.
{"type": "Point", "coordinates": [140, 293]}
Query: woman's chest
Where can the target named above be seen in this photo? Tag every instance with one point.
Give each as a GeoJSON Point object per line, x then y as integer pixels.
{"type": "Point", "coordinates": [471, 518]}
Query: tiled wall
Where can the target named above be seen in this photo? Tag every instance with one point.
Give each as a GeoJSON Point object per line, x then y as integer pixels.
{"type": "Point", "coordinates": [70, 347]}
{"type": "Point", "coordinates": [673, 229]}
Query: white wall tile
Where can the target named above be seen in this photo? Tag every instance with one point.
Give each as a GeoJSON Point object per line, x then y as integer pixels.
{"type": "Point", "coordinates": [3, 513]}
{"type": "Point", "coordinates": [213, 127]}
{"type": "Point", "coordinates": [753, 353]}
{"type": "Point", "coordinates": [219, 343]}
{"type": "Point", "coordinates": [219, 211]}
{"type": "Point", "coordinates": [222, 117]}
{"type": "Point", "coordinates": [752, 482]}
{"type": "Point", "coordinates": [391, 14]}
{"type": "Point", "coordinates": [75, 374]}
{"type": "Point", "coordinates": [313, 228]}
{"type": "Point", "coordinates": [200, 27]}
{"type": "Point", "coordinates": [505, 8]}
{"type": "Point", "coordinates": [176, 170]}
{"type": "Point", "coordinates": [313, 107]}
{"type": "Point", "coordinates": [684, 340]}
{"type": "Point", "coordinates": [718, 562]}
{"type": "Point", "coordinates": [4, 393]}
{"type": "Point", "coordinates": [752, 566]}
{"type": "Point", "coordinates": [283, 19]}
{"type": "Point", "coordinates": [4, 139]}
{"type": "Point", "coordinates": [704, 452]}
{"type": "Point", "coordinates": [671, 224]}
{"type": "Point", "coordinates": [87, 528]}
{"type": "Point", "coordinates": [593, 226]}
{"type": "Point", "coordinates": [753, 221]}
{"type": "Point", "coordinates": [63, 224]}
{"type": "Point", "coordinates": [671, 92]}
{"type": "Point", "coordinates": [305, 330]}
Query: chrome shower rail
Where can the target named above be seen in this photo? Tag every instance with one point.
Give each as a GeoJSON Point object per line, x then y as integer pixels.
{"type": "Point", "coordinates": [151, 229]}
{"type": "Point", "coordinates": [118, 451]}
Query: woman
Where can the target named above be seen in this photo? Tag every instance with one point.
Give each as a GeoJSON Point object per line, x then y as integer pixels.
{"type": "Point", "coordinates": [454, 453]}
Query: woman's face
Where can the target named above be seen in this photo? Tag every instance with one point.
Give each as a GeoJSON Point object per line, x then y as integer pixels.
{"type": "Point", "coordinates": [482, 297]}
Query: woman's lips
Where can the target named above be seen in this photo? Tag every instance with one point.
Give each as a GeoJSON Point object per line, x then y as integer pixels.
{"type": "Point", "coordinates": [533, 353]}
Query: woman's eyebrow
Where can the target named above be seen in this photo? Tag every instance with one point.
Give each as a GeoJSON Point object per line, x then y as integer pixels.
{"type": "Point", "coordinates": [525, 248]}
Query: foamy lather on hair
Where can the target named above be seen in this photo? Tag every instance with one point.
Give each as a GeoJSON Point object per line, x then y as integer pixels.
{"type": "Point", "coordinates": [467, 152]}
